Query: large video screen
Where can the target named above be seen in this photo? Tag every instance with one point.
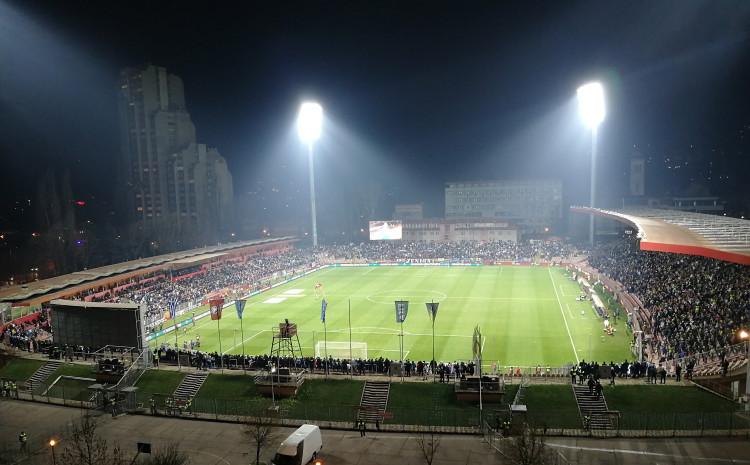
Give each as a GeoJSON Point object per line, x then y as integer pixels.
{"type": "Point", "coordinates": [97, 324]}
{"type": "Point", "coordinates": [385, 230]}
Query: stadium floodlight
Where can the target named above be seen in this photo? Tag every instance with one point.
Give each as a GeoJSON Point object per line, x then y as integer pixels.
{"type": "Point", "coordinates": [309, 126]}
{"type": "Point", "coordinates": [309, 122]}
{"type": "Point", "coordinates": [592, 110]}
{"type": "Point", "coordinates": [591, 105]}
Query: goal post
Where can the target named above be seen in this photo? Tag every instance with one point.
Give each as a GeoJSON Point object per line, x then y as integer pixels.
{"type": "Point", "coordinates": [340, 350]}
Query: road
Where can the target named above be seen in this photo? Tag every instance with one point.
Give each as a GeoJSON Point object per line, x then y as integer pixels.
{"type": "Point", "coordinates": [216, 443]}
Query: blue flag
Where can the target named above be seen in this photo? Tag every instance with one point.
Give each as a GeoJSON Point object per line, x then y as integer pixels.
{"type": "Point", "coordinates": [323, 306]}
{"type": "Point", "coordinates": [240, 306]}
{"type": "Point", "coordinates": [402, 308]}
{"type": "Point", "coordinates": [172, 308]}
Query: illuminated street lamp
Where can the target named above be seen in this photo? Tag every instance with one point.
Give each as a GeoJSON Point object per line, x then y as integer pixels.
{"type": "Point", "coordinates": [592, 110]}
{"type": "Point", "coordinates": [309, 125]}
{"type": "Point", "coordinates": [52, 444]}
{"type": "Point", "coordinates": [745, 336]}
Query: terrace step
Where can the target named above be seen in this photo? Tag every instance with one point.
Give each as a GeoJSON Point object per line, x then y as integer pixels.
{"type": "Point", "coordinates": [595, 409]}
{"type": "Point", "coordinates": [190, 385]}
{"type": "Point", "coordinates": [42, 374]}
{"type": "Point", "coordinates": [374, 401]}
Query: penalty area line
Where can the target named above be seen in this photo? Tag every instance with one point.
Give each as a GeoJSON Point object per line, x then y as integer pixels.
{"type": "Point", "coordinates": [562, 312]}
{"type": "Point", "coordinates": [245, 340]}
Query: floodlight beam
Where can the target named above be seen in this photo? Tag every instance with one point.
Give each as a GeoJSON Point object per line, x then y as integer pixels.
{"type": "Point", "coordinates": [592, 111]}
{"type": "Point", "coordinates": [309, 126]}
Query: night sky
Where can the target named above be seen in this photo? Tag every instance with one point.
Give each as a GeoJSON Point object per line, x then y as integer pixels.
{"type": "Point", "coordinates": [417, 93]}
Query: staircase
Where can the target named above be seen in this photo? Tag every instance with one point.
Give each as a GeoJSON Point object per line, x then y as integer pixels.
{"type": "Point", "coordinates": [525, 381]}
{"type": "Point", "coordinates": [42, 374]}
{"type": "Point", "coordinates": [374, 401]}
{"type": "Point", "coordinates": [190, 385]}
{"type": "Point", "coordinates": [595, 408]}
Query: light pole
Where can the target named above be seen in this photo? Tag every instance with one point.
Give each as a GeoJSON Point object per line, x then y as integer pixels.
{"type": "Point", "coordinates": [309, 123]}
{"type": "Point", "coordinates": [272, 370]}
{"type": "Point", "coordinates": [592, 110]}
{"type": "Point", "coordinates": [745, 336]}
{"type": "Point", "coordinates": [52, 444]}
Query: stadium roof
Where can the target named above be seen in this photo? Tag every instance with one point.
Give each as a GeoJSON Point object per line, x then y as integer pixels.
{"type": "Point", "coordinates": [683, 232]}
{"type": "Point", "coordinates": [26, 291]}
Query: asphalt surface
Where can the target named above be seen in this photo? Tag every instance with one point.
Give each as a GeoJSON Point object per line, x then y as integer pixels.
{"type": "Point", "coordinates": [215, 443]}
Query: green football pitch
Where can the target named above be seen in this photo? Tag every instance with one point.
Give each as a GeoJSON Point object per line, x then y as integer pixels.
{"type": "Point", "coordinates": [528, 316]}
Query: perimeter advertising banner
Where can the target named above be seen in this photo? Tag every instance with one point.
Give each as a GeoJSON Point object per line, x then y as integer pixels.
{"type": "Point", "coordinates": [385, 230]}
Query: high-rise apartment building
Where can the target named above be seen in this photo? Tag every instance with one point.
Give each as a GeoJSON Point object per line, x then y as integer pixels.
{"type": "Point", "coordinates": [168, 180]}
{"type": "Point", "coordinates": [534, 205]}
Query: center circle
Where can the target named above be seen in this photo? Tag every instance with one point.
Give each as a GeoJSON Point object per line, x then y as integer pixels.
{"type": "Point", "coordinates": [416, 295]}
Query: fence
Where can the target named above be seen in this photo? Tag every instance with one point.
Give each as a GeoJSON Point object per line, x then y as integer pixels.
{"type": "Point", "coordinates": [68, 391]}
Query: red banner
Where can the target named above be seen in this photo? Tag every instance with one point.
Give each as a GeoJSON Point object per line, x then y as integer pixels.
{"type": "Point", "coordinates": [216, 306]}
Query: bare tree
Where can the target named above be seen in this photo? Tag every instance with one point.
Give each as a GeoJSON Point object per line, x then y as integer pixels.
{"type": "Point", "coordinates": [83, 446]}
{"type": "Point", "coordinates": [258, 427]}
{"type": "Point", "coordinates": [428, 443]}
{"type": "Point", "coordinates": [529, 448]}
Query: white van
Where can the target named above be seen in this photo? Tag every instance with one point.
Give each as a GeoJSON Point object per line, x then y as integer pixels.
{"type": "Point", "coordinates": [300, 447]}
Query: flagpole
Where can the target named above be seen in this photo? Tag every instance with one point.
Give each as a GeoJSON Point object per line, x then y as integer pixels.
{"type": "Point", "coordinates": [351, 357]}
{"type": "Point", "coordinates": [176, 345]}
{"type": "Point", "coordinates": [433, 365]}
{"type": "Point", "coordinates": [242, 335]}
{"type": "Point", "coordinates": [325, 346]}
{"type": "Point", "coordinates": [221, 355]}
{"type": "Point", "coordinates": [402, 351]}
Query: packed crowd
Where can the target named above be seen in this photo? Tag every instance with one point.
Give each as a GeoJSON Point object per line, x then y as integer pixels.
{"type": "Point", "coordinates": [457, 251]}
{"type": "Point", "coordinates": [30, 336]}
{"type": "Point", "coordinates": [230, 277]}
{"type": "Point", "coordinates": [226, 278]}
{"type": "Point", "coordinates": [383, 366]}
{"type": "Point", "coordinates": [694, 304]}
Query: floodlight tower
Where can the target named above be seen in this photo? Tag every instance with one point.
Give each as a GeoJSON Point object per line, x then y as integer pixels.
{"type": "Point", "coordinates": [744, 336]}
{"type": "Point", "coordinates": [309, 124]}
{"type": "Point", "coordinates": [592, 110]}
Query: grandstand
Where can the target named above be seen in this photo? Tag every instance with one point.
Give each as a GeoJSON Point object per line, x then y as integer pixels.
{"type": "Point", "coordinates": [541, 305]}
{"type": "Point", "coordinates": [677, 231]}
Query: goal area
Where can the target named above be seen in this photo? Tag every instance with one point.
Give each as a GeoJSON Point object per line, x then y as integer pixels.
{"type": "Point", "coordinates": [341, 349]}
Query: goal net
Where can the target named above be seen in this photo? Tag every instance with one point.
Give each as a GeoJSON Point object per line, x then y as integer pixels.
{"type": "Point", "coordinates": [341, 349]}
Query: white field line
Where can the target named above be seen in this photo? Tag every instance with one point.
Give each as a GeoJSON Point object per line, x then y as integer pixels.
{"type": "Point", "coordinates": [569, 312]}
{"type": "Point", "coordinates": [394, 333]}
{"type": "Point", "coordinates": [643, 453]}
{"type": "Point", "coordinates": [363, 296]}
{"type": "Point", "coordinates": [562, 312]}
{"type": "Point", "coordinates": [245, 340]}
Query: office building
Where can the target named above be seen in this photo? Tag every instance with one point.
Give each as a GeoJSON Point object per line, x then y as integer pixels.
{"type": "Point", "coordinates": [534, 205]}
{"type": "Point", "coordinates": [167, 178]}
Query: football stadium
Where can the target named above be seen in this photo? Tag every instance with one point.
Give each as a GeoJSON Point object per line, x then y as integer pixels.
{"type": "Point", "coordinates": [530, 315]}
{"type": "Point", "coordinates": [366, 233]}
